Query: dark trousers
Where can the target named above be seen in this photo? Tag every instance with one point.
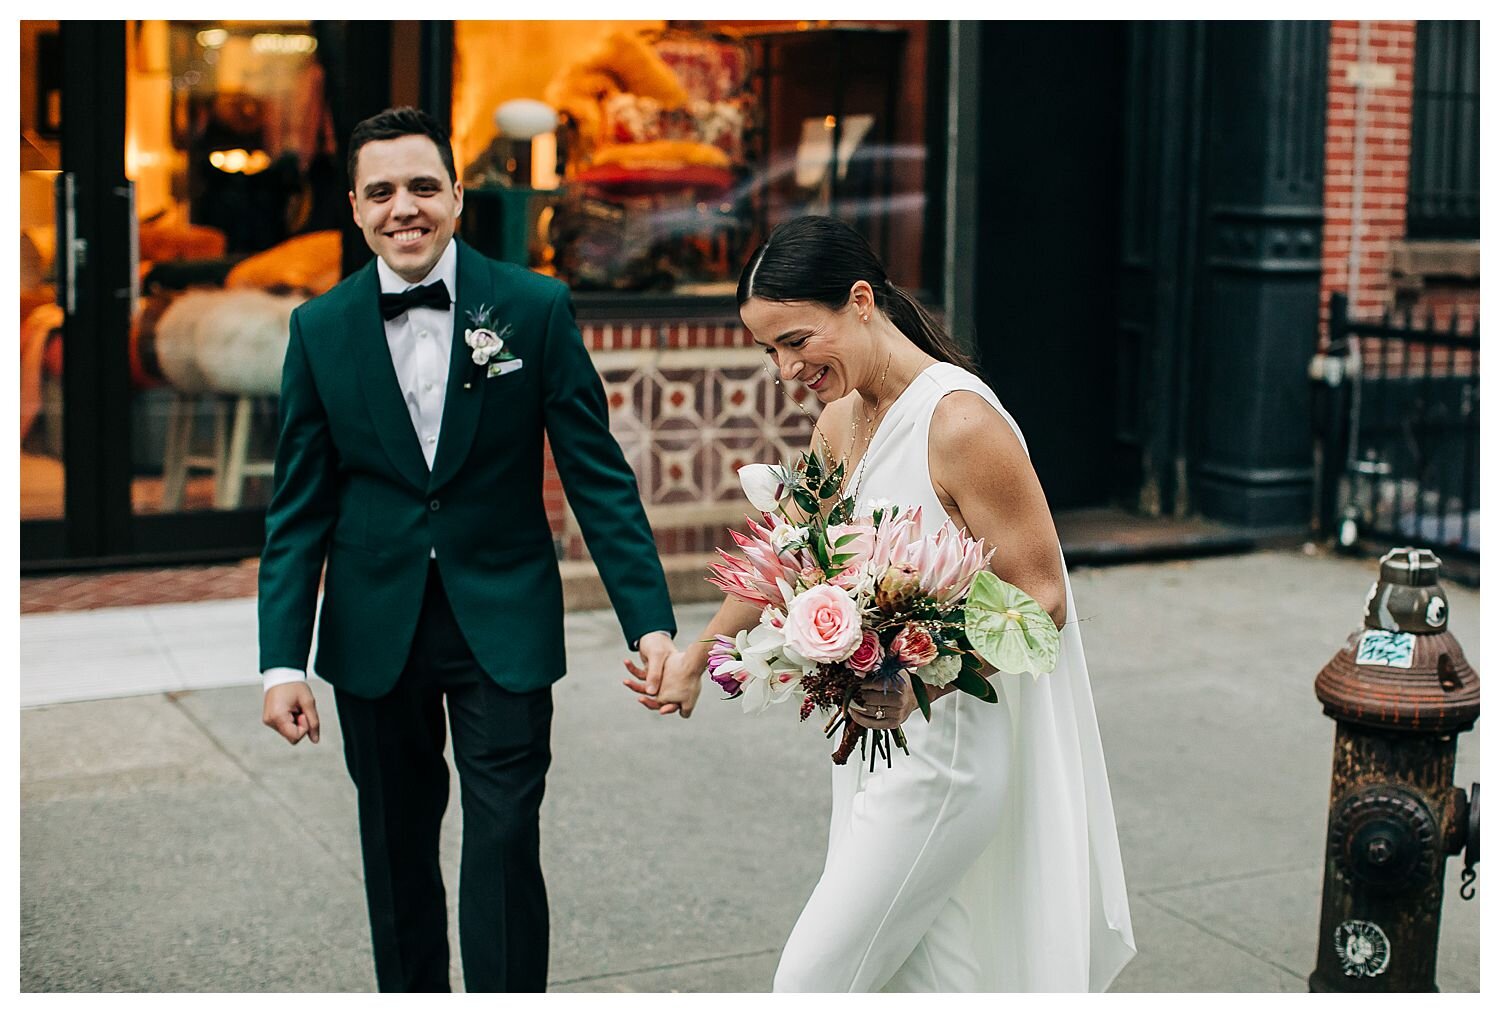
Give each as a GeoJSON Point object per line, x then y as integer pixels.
{"type": "Point", "coordinates": [393, 747]}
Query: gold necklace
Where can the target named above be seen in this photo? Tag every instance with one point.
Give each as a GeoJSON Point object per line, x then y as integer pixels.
{"type": "Point", "coordinates": [849, 480]}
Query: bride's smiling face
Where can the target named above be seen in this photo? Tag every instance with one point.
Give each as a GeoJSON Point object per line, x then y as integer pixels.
{"type": "Point", "coordinates": [827, 350]}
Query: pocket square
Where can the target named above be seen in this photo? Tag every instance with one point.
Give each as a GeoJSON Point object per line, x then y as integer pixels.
{"type": "Point", "coordinates": [501, 368]}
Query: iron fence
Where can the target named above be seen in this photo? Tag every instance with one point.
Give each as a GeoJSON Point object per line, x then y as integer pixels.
{"type": "Point", "coordinates": [1400, 432]}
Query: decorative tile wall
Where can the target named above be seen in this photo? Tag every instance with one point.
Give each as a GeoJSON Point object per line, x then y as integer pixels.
{"type": "Point", "coordinates": [687, 419]}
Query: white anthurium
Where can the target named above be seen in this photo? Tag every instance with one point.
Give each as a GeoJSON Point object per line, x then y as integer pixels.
{"type": "Point", "coordinates": [765, 485]}
{"type": "Point", "coordinates": [1008, 628]}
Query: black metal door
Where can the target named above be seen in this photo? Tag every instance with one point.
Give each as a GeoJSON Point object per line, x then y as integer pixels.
{"type": "Point", "coordinates": [1158, 256]}
{"type": "Point", "coordinates": [91, 272]}
{"type": "Point", "coordinates": [1045, 267]}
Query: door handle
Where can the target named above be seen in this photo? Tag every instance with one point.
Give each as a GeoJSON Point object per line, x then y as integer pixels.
{"type": "Point", "coordinates": [74, 248]}
{"type": "Point", "coordinates": [131, 291]}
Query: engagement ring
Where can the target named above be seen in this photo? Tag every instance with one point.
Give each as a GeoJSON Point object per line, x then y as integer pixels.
{"type": "Point", "coordinates": [879, 713]}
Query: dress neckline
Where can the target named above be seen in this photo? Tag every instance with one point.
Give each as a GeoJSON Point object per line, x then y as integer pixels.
{"type": "Point", "coordinates": [857, 473]}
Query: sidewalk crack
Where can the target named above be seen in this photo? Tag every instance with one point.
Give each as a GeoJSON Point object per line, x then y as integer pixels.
{"type": "Point", "coordinates": [1228, 940]}
{"type": "Point", "coordinates": [175, 699]}
{"type": "Point", "coordinates": [662, 967]}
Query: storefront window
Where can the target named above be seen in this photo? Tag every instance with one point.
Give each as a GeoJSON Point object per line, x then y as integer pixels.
{"type": "Point", "coordinates": [652, 156]}
{"type": "Point", "coordinates": [238, 200]}
{"type": "Point", "coordinates": [41, 314]}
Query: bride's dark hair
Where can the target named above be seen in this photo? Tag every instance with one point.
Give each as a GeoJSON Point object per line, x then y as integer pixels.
{"type": "Point", "coordinates": [818, 259]}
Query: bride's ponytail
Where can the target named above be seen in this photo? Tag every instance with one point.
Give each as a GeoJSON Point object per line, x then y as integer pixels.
{"type": "Point", "coordinates": [818, 259]}
{"type": "Point", "coordinates": [912, 319]}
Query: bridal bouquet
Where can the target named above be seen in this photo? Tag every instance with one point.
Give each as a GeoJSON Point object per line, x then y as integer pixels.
{"type": "Point", "coordinates": [845, 599]}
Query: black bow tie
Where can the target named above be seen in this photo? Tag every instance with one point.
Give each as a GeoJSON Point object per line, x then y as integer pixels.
{"type": "Point", "coordinates": [393, 304]}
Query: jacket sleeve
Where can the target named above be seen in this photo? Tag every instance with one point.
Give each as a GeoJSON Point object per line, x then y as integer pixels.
{"type": "Point", "coordinates": [303, 508]}
{"type": "Point", "coordinates": [598, 481]}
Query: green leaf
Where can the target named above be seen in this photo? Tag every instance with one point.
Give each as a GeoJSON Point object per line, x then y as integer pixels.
{"type": "Point", "coordinates": [974, 684]}
{"type": "Point", "coordinates": [1008, 628]}
{"type": "Point", "coordinates": [845, 539]}
{"type": "Point", "coordinates": [806, 502]}
{"type": "Point", "coordinates": [830, 486]}
{"type": "Point", "coordinates": [919, 690]}
{"type": "Point", "coordinates": [814, 469]}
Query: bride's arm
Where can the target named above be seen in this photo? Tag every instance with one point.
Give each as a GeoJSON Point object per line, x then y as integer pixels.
{"type": "Point", "coordinates": [979, 466]}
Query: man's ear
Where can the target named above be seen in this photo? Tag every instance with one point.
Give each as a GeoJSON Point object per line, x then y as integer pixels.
{"type": "Point", "coordinates": [458, 192]}
{"type": "Point", "coordinates": [354, 210]}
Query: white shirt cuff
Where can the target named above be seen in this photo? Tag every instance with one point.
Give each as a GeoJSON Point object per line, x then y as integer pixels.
{"type": "Point", "coordinates": [276, 676]}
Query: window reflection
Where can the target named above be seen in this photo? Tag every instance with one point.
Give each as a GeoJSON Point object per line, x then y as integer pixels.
{"type": "Point", "coordinates": [652, 156]}
{"type": "Point", "coordinates": [239, 199]}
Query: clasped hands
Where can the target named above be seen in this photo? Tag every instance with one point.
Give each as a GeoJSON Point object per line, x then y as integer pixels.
{"type": "Point", "coordinates": [671, 680]}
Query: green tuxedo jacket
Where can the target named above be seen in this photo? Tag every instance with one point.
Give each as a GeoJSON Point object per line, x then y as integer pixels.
{"type": "Point", "coordinates": [352, 488]}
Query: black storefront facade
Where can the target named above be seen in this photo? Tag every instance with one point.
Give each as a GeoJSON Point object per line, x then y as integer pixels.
{"type": "Point", "coordinates": [1123, 220]}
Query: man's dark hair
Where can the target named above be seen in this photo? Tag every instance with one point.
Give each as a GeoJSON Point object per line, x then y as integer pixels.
{"type": "Point", "coordinates": [401, 121]}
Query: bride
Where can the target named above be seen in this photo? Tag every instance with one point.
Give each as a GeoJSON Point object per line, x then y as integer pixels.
{"type": "Point", "coordinates": [987, 860]}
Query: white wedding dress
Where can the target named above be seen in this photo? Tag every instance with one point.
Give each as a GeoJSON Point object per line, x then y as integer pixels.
{"type": "Point", "coordinates": [987, 860]}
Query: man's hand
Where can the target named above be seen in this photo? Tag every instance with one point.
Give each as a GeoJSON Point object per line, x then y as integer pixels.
{"type": "Point", "coordinates": [291, 710]}
{"type": "Point", "coordinates": [681, 680]}
{"type": "Point", "coordinates": [656, 648]}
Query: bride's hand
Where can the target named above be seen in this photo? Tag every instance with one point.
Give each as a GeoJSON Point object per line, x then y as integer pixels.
{"type": "Point", "coordinates": [882, 704]}
{"type": "Point", "coordinates": [681, 680]}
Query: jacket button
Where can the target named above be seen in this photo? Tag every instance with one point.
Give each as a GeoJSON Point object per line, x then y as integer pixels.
{"type": "Point", "coordinates": [434, 505]}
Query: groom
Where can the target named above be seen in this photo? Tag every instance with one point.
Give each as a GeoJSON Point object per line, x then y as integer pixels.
{"type": "Point", "coordinates": [414, 471]}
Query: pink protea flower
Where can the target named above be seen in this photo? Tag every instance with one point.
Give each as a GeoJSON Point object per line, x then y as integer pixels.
{"type": "Point", "coordinates": [891, 535]}
{"type": "Point", "coordinates": [858, 548]}
{"type": "Point", "coordinates": [914, 646]}
{"type": "Point", "coordinates": [760, 577]}
{"type": "Point", "coordinates": [947, 561]}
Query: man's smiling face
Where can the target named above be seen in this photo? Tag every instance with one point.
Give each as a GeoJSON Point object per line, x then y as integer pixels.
{"type": "Point", "coordinates": [405, 204]}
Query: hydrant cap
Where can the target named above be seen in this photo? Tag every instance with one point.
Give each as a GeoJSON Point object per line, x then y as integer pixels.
{"type": "Point", "coordinates": [1412, 567]}
{"type": "Point", "coordinates": [1407, 598]}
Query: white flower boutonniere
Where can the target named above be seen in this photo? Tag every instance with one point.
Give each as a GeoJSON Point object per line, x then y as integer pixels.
{"type": "Point", "coordinates": [486, 339]}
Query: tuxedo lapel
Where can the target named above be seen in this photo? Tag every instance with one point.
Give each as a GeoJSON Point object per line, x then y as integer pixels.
{"type": "Point", "coordinates": [377, 375]}
{"type": "Point", "coordinates": [476, 288]}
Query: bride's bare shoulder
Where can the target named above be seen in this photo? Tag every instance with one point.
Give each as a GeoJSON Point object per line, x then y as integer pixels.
{"type": "Point", "coordinates": [965, 427]}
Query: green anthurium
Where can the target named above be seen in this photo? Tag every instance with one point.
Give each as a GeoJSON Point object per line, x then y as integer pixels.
{"type": "Point", "coordinates": [1008, 628]}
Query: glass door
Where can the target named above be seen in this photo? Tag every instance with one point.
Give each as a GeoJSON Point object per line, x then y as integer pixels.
{"type": "Point", "coordinates": [239, 199]}
{"type": "Point", "coordinates": [177, 202]}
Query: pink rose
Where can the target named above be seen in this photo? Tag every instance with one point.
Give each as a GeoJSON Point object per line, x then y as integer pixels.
{"type": "Point", "coordinates": [914, 646]}
{"type": "Point", "coordinates": [867, 656]}
{"type": "Point", "coordinates": [822, 624]}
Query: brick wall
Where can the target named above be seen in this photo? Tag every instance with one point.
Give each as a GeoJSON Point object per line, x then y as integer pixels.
{"type": "Point", "coordinates": [1387, 152]}
{"type": "Point", "coordinates": [1377, 198]}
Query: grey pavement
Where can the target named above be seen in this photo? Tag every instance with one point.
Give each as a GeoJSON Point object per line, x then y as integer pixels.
{"type": "Point", "coordinates": [170, 842]}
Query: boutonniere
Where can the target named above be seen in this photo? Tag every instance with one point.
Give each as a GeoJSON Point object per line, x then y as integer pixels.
{"type": "Point", "coordinates": [486, 340]}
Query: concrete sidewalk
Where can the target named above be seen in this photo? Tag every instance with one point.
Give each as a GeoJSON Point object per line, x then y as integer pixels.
{"type": "Point", "coordinates": [170, 842]}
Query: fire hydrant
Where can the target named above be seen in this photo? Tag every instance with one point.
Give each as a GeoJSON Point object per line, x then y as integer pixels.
{"type": "Point", "coordinates": [1400, 692]}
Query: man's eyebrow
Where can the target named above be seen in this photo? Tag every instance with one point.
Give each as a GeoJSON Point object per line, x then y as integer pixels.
{"type": "Point", "coordinates": [376, 184]}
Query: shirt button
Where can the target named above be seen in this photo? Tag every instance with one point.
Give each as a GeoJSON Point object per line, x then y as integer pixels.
{"type": "Point", "coordinates": [421, 334]}
{"type": "Point", "coordinates": [433, 505]}
{"type": "Point", "coordinates": [432, 439]}
{"type": "Point", "coordinates": [427, 387]}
